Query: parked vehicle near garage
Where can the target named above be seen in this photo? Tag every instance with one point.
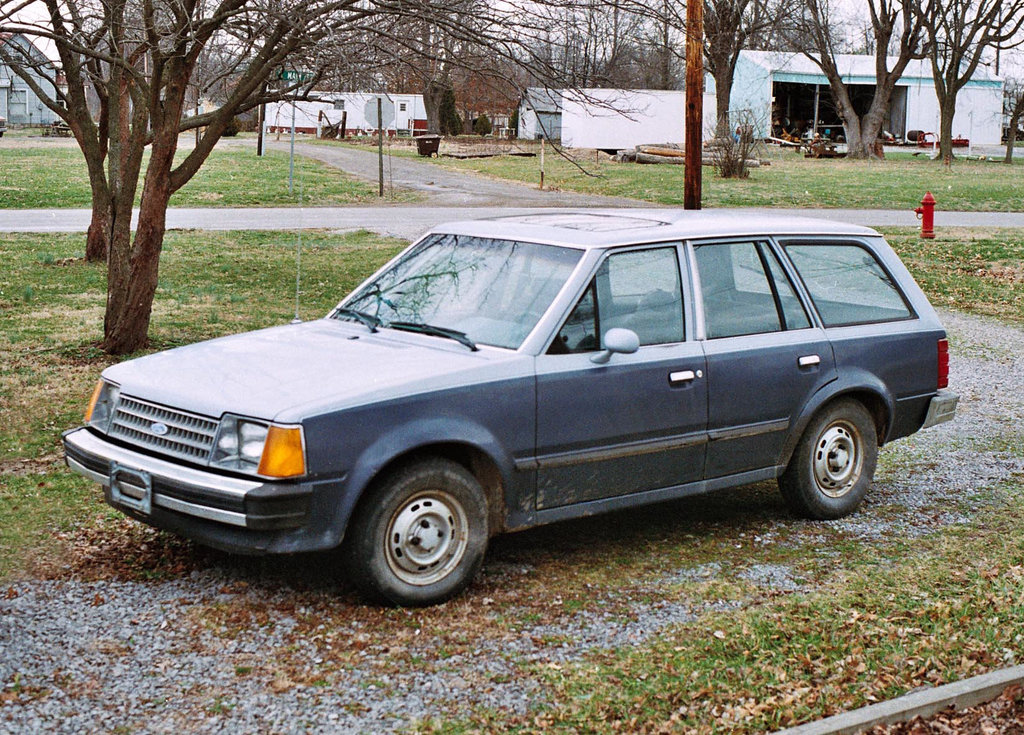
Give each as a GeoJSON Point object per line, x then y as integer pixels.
{"type": "Point", "coordinates": [500, 374]}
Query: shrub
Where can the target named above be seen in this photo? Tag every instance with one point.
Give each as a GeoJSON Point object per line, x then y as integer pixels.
{"type": "Point", "coordinates": [482, 125]}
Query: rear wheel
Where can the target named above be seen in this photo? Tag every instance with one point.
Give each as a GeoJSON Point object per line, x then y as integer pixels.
{"type": "Point", "coordinates": [419, 535]}
{"type": "Point", "coordinates": [832, 466]}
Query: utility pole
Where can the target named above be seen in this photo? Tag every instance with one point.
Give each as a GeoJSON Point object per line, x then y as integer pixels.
{"type": "Point", "coordinates": [694, 103]}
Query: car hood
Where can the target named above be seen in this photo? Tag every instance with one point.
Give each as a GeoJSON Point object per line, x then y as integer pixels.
{"type": "Point", "coordinates": [291, 372]}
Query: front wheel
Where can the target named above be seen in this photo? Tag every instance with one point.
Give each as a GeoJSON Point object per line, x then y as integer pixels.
{"type": "Point", "coordinates": [419, 535]}
{"type": "Point", "coordinates": [833, 464]}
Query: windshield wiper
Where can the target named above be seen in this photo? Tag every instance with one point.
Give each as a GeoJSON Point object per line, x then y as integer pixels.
{"type": "Point", "coordinates": [436, 332]}
{"type": "Point", "coordinates": [360, 316]}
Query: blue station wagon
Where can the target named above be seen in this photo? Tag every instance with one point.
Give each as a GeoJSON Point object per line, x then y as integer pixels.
{"type": "Point", "coordinates": [505, 373]}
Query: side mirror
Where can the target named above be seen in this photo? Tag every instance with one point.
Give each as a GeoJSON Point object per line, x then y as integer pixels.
{"type": "Point", "coordinates": [616, 340]}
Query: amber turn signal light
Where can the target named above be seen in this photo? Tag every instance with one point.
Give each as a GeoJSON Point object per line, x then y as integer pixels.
{"type": "Point", "coordinates": [283, 455]}
{"type": "Point", "coordinates": [92, 401]}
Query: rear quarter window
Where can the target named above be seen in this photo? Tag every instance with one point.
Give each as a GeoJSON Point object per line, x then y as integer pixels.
{"type": "Point", "coordinates": [848, 284]}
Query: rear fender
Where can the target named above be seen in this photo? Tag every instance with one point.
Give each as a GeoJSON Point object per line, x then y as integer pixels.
{"type": "Point", "coordinates": [859, 384]}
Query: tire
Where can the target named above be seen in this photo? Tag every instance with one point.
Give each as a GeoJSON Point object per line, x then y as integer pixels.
{"type": "Point", "coordinates": [419, 535]}
{"type": "Point", "coordinates": [833, 465]}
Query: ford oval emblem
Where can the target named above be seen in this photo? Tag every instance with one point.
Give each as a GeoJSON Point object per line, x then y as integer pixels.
{"type": "Point", "coordinates": [159, 429]}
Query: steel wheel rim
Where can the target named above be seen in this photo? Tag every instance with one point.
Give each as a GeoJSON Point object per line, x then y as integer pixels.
{"type": "Point", "coordinates": [426, 538]}
{"type": "Point", "coordinates": [837, 460]}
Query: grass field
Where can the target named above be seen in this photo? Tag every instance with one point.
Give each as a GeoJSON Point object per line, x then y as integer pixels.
{"type": "Point", "coordinates": [42, 176]}
{"type": "Point", "coordinates": [880, 616]}
{"type": "Point", "coordinates": [791, 180]}
{"type": "Point", "coordinates": [51, 313]}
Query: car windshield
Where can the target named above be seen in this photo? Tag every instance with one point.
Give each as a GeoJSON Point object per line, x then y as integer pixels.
{"type": "Point", "coordinates": [492, 291]}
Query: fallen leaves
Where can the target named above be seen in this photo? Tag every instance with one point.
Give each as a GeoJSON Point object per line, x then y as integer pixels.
{"type": "Point", "coordinates": [1002, 716]}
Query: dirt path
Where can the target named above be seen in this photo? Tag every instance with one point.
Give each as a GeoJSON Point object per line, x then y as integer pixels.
{"type": "Point", "coordinates": [448, 188]}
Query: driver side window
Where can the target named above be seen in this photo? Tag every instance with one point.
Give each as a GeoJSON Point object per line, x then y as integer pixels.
{"type": "Point", "coordinates": [638, 290]}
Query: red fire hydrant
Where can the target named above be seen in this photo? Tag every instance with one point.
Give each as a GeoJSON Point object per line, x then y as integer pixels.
{"type": "Point", "coordinates": [926, 213]}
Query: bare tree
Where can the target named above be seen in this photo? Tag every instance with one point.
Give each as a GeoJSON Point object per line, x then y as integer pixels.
{"type": "Point", "coordinates": [1014, 107]}
{"type": "Point", "coordinates": [960, 33]}
{"type": "Point", "coordinates": [136, 60]}
{"type": "Point", "coordinates": [729, 27]}
{"type": "Point", "coordinates": [897, 33]}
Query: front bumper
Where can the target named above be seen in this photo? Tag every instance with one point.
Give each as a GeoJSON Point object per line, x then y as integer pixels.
{"type": "Point", "coordinates": [941, 408]}
{"type": "Point", "coordinates": [146, 486]}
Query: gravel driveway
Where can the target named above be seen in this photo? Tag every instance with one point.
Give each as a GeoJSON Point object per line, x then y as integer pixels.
{"type": "Point", "coordinates": [220, 644]}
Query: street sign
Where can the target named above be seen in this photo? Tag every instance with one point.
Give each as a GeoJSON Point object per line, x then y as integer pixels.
{"type": "Point", "coordinates": [387, 112]}
{"type": "Point", "coordinates": [294, 75]}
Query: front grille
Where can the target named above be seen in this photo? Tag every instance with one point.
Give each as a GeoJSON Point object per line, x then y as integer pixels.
{"type": "Point", "coordinates": [188, 436]}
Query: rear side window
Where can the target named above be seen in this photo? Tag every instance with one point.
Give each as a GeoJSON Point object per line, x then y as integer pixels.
{"type": "Point", "coordinates": [745, 291]}
{"type": "Point", "coordinates": [847, 284]}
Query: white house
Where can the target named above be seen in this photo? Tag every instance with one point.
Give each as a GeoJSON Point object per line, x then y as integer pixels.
{"type": "Point", "coordinates": [402, 113]}
{"type": "Point", "coordinates": [608, 119]}
{"type": "Point", "coordinates": [18, 103]}
{"type": "Point", "coordinates": [788, 89]}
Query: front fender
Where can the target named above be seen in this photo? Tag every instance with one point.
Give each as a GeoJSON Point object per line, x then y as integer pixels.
{"type": "Point", "coordinates": [407, 439]}
{"type": "Point", "coordinates": [855, 382]}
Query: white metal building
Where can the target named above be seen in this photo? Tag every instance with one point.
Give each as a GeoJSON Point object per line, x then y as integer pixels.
{"type": "Point", "coordinates": [788, 89]}
{"type": "Point", "coordinates": [540, 114]}
{"type": "Point", "coordinates": [609, 119]}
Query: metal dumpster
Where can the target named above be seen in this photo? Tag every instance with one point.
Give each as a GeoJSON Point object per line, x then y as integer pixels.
{"type": "Point", "coordinates": [427, 145]}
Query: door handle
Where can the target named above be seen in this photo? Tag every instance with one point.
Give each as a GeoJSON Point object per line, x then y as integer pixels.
{"type": "Point", "coordinates": [683, 376]}
{"type": "Point", "coordinates": [808, 361]}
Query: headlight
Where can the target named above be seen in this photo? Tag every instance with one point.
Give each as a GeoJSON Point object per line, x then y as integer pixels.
{"type": "Point", "coordinates": [101, 406]}
{"type": "Point", "coordinates": [254, 446]}
{"type": "Point", "coordinates": [239, 444]}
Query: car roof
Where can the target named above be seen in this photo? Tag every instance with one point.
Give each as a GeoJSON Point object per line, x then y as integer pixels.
{"type": "Point", "coordinates": [599, 228]}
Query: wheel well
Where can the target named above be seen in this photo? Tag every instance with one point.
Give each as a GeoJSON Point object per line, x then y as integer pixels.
{"type": "Point", "coordinates": [476, 462]}
{"type": "Point", "coordinates": [875, 406]}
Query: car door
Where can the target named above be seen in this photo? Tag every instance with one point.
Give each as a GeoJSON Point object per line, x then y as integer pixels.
{"type": "Point", "coordinates": [633, 423]}
{"type": "Point", "coordinates": [765, 357]}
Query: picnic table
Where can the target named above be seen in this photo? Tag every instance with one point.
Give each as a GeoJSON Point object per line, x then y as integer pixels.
{"type": "Point", "coordinates": [57, 130]}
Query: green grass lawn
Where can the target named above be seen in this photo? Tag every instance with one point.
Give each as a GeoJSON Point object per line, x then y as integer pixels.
{"type": "Point", "coordinates": [881, 617]}
{"type": "Point", "coordinates": [51, 314]}
{"type": "Point", "coordinates": [791, 180]}
{"type": "Point", "coordinates": [46, 176]}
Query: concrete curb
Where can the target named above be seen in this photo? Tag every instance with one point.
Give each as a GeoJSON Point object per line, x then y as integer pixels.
{"type": "Point", "coordinates": [961, 694]}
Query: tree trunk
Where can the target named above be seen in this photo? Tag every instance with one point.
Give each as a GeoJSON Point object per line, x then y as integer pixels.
{"type": "Point", "coordinates": [861, 132]}
{"type": "Point", "coordinates": [97, 240]}
{"type": "Point", "coordinates": [133, 267]}
{"type": "Point", "coordinates": [947, 109]}
{"type": "Point", "coordinates": [432, 96]}
{"type": "Point", "coordinates": [723, 90]}
{"type": "Point", "coordinates": [1011, 136]}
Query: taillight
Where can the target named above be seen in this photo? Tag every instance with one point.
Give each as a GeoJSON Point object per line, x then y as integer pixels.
{"type": "Point", "coordinates": [943, 363]}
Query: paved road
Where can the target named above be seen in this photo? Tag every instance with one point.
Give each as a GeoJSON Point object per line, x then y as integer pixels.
{"type": "Point", "coordinates": [452, 195]}
{"type": "Point", "coordinates": [409, 221]}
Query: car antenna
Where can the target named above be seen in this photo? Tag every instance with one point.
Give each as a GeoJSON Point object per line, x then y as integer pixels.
{"type": "Point", "coordinates": [298, 261]}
